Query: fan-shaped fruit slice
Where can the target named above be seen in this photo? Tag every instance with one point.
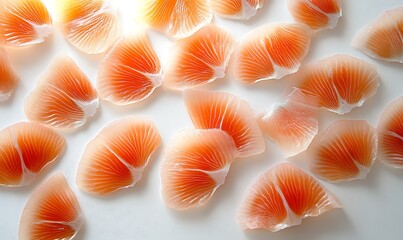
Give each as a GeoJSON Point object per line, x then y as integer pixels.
{"type": "Point", "coordinates": [282, 197]}
{"type": "Point", "coordinates": [116, 157]}
{"type": "Point", "coordinates": [25, 149]}
{"type": "Point", "coordinates": [199, 59]}
{"type": "Point", "coordinates": [340, 82]}
{"type": "Point", "coordinates": [228, 113]}
{"type": "Point", "coordinates": [130, 71]}
{"type": "Point", "coordinates": [292, 124]}
{"type": "Point", "coordinates": [382, 38]}
{"type": "Point", "coordinates": [390, 132]}
{"type": "Point", "coordinates": [271, 52]}
{"type": "Point", "coordinates": [345, 151]}
{"type": "Point", "coordinates": [177, 18]}
{"type": "Point", "coordinates": [8, 78]}
{"type": "Point", "coordinates": [89, 25]}
{"type": "Point", "coordinates": [52, 212]}
{"type": "Point", "coordinates": [237, 9]}
{"type": "Point", "coordinates": [64, 96]}
{"type": "Point", "coordinates": [195, 165]}
{"type": "Point", "coordinates": [318, 14]}
{"type": "Point", "coordinates": [24, 22]}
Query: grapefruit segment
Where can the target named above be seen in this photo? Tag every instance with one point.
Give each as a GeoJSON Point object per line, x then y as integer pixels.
{"type": "Point", "coordinates": [89, 25]}
{"type": "Point", "coordinates": [340, 82]}
{"type": "Point", "coordinates": [24, 22]}
{"type": "Point", "coordinates": [236, 9]}
{"type": "Point", "coordinates": [345, 151]}
{"type": "Point", "coordinates": [282, 197]}
{"type": "Point", "coordinates": [130, 71]}
{"type": "Point", "coordinates": [293, 124]}
{"type": "Point", "coordinates": [195, 165]}
{"type": "Point", "coordinates": [199, 59]}
{"type": "Point", "coordinates": [271, 52]}
{"type": "Point", "coordinates": [318, 14]}
{"type": "Point", "coordinates": [228, 113]}
{"type": "Point", "coordinates": [25, 149]}
{"type": "Point", "coordinates": [390, 131]}
{"type": "Point", "coordinates": [382, 38]}
{"type": "Point", "coordinates": [177, 18]}
{"type": "Point", "coordinates": [8, 77]}
{"type": "Point", "coordinates": [52, 212]}
{"type": "Point", "coordinates": [116, 157]}
{"type": "Point", "coordinates": [64, 96]}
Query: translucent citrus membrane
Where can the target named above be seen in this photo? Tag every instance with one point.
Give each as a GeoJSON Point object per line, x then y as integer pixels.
{"type": "Point", "coordinates": [346, 151]}
{"type": "Point", "coordinates": [340, 82]}
{"type": "Point", "coordinates": [209, 110]}
{"type": "Point", "coordinates": [24, 22]}
{"type": "Point", "coordinates": [8, 77]}
{"type": "Point", "coordinates": [236, 9]}
{"type": "Point", "coordinates": [130, 71]}
{"type": "Point", "coordinates": [64, 96]}
{"type": "Point", "coordinates": [390, 131]}
{"type": "Point", "coordinates": [382, 38]}
{"type": "Point", "coordinates": [51, 212]}
{"type": "Point", "coordinates": [271, 52]}
{"type": "Point", "coordinates": [177, 18]}
{"type": "Point", "coordinates": [195, 165]}
{"type": "Point", "coordinates": [291, 124]}
{"type": "Point", "coordinates": [116, 157]}
{"type": "Point", "coordinates": [25, 150]}
{"type": "Point", "coordinates": [89, 25]}
{"type": "Point", "coordinates": [317, 14]}
{"type": "Point", "coordinates": [282, 197]}
{"type": "Point", "coordinates": [199, 59]}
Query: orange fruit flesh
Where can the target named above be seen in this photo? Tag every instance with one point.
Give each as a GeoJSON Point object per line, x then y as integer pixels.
{"type": "Point", "coordinates": [304, 13]}
{"type": "Point", "coordinates": [26, 149]}
{"type": "Point", "coordinates": [391, 133]}
{"type": "Point", "coordinates": [354, 79]}
{"type": "Point", "coordinates": [301, 191]}
{"type": "Point", "coordinates": [282, 197]}
{"type": "Point", "coordinates": [38, 146]}
{"type": "Point", "coordinates": [200, 58]}
{"type": "Point", "coordinates": [11, 171]}
{"type": "Point", "coordinates": [8, 78]}
{"type": "Point", "coordinates": [265, 208]}
{"type": "Point", "coordinates": [254, 63]}
{"type": "Point", "coordinates": [339, 82]}
{"type": "Point", "coordinates": [133, 142]}
{"type": "Point", "coordinates": [195, 165]}
{"type": "Point", "coordinates": [51, 211]}
{"type": "Point", "coordinates": [125, 84]}
{"type": "Point", "coordinates": [53, 107]}
{"type": "Point", "coordinates": [386, 42]}
{"type": "Point", "coordinates": [287, 45]}
{"type": "Point", "coordinates": [227, 8]}
{"type": "Point", "coordinates": [159, 13]}
{"type": "Point", "coordinates": [64, 97]}
{"type": "Point", "coordinates": [115, 157]}
{"type": "Point", "coordinates": [327, 6]}
{"type": "Point", "coordinates": [318, 83]}
{"type": "Point", "coordinates": [21, 20]}
{"type": "Point", "coordinates": [67, 76]}
{"type": "Point", "coordinates": [51, 231]}
{"type": "Point", "coordinates": [75, 10]}
{"type": "Point", "coordinates": [188, 187]}
{"type": "Point", "coordinates": [124, 76]}
{"type": "Point", "coordinates": [104, 174]}
{"type": "Point", "coordinates": [344, 150]}
{"type": "Point", "coordinates": [221, 113]}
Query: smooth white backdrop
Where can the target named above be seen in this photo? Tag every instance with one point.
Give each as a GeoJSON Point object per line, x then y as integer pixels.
{"type": "Point", "coordinates": [372, 207]}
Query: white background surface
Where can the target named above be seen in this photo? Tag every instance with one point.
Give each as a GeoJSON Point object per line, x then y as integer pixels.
{"type": "Point", "coordinates": [372, 207]}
